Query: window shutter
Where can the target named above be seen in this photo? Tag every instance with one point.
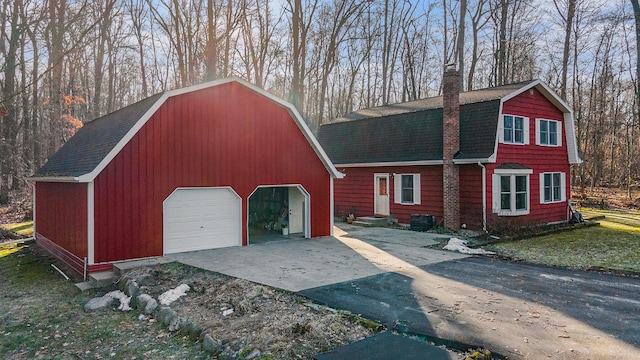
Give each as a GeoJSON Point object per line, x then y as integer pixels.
{"type": "Point", "coordinates": [501, 129]}
{"type": "Point", "coordinates": [397, 188]}
{"type": "Point", "coordinates": [525, 124]}
{"type": "Point", "coordinates": [416, 189]}
{"type": "Point", "coordinates": [563, 186]}
{"type": "Point", "coordinates": [541, 188]}
{"type": "Point", "coordinates": [537, 131]}
{"type": "Point", "coordinates": [495, 194]}
{"type": "Point", "coordinates": [559, 130]}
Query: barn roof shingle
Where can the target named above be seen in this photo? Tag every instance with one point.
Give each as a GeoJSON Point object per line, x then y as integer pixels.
{"type": "Point", "coordinates": [91, 144]}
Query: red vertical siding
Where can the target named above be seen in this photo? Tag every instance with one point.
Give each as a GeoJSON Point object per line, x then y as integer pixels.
{"type": "Point", "coordinates": [221, 136]}
{"type": "Point", "coordinates": [471, 196]}
{"type": "Point", "coordinates": [539, 158]}
{"type": "Point", "coordinates": [356, 189]}
{"type": "Point", "coordinates": [61, 215]}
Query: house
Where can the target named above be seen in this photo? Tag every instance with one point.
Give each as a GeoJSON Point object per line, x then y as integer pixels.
{"type": "Point", "coordinates": [189, 169]}
{"type": "Point", "coordinates": [496, 154]}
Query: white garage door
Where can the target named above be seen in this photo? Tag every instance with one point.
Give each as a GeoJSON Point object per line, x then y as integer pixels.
{"type": "Point", "coordinates": [201, 218]}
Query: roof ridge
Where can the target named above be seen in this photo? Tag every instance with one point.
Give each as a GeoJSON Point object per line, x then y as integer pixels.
{"type": "Point", "coordinates": [434, 102]}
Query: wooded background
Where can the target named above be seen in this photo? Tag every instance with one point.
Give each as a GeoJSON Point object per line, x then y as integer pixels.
{"type": "Point", "coordinates": [66, 62]}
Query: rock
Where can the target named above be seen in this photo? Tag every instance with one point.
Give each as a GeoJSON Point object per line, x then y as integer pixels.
{"type": "Point", "coordinates": [132, 288]}
{"type": "Point", "coordinates": [166, 315]}
{"type": "Point", "coordinates": [146, 304]}
{"type": "Point", "coordinates": [210, 345]}
{"type": "Point", "coordinates": [124, 299]}
{"type": "Point", "coordinates": [194, 331]}
{"type": "Point", "coordinates": [99, 303]}
{"type": "Point", "coordinates": [177, 324]}
{"type": "Point", "coordinates": [254, 354]}
{"type": "Point", "coordinates": [122, 284]}
{"type": "Point", "coordinates": [227, 312]}
{"type": "Point", "coordinates": [172, 295]}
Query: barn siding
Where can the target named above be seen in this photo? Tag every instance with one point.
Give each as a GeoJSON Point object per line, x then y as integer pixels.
{"type": "Point", "coordinates": [225, 135]}
{"type": "Point", "coordinates": [61, 215]}
{"type": "Point", "coordinates": [357, 189]}
{"type": "Point", "coordinates": [539, 158]}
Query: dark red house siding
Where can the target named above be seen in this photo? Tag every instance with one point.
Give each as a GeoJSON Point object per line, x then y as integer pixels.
{"type": "Point", "coordinates": [61, 217]}
{"type": "Point", "coordinates": [356, 189]}
{"type": "Point", "coordinates": [471, 196]}
{"type": "Point", "coordinates": [225, 135]}
{"type": "Point", "coordinates": [539, 158]}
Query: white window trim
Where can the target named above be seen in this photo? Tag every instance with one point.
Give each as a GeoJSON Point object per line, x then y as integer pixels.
{"type": "Point", "coordinates": [563, 187]}
{"type": "Point", "coordinates": [397, 189]}
{"type": "Point", "coordinates": [495, 180]}
{"type": "Point", "coordinates": [558, 130]}
{"type": "Point", "coordinates": [525, 125]}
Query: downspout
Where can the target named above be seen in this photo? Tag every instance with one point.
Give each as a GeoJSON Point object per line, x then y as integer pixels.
{"type": "Point", "coordinates": [484, 196]}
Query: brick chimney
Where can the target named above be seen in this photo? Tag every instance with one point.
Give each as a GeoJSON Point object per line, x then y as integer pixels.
{"type": "Point", "coordinates": [450, 146]}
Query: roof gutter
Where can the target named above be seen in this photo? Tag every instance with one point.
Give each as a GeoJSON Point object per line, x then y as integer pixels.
{"type": "Point", "coordinates": [65, 179]}
{"type": "Point", "coordinates": [392, 163]}
{"type": "Point", "coordinates": [471, 161]}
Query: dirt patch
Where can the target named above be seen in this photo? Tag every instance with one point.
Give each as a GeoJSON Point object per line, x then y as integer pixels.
{"type": "Point", "coordinates": [41, 316]}
{"type": "Point", "coordinates": [242, 315]}
{"type": "Point", "coordinates": [606, 198]}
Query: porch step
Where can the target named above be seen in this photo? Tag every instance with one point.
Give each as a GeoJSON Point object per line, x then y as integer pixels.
{"type": "Point", "coordinates": [103, 278]}
{"type": "Point", "coordinates": [84, 286]}
{"type": "Point", "coordinates": [371, 221]}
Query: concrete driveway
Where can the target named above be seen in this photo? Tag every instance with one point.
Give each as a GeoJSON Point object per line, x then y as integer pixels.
{"type": "Point", "coordinates": [518, 310]}
{"type": "Point", "coordinates": [300, 264]}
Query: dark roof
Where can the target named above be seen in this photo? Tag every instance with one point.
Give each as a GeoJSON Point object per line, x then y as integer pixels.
{"type": "Point", "coordinates": [411, 136]}
{"type": "Point", "coordinates": [469, 97]}
{"type": "Point", "coordinates": [91, 144]}
{"type": "Point", "coordinates": [412, 131]}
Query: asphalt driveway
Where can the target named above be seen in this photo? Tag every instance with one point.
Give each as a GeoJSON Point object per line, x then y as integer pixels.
{"type": "Point", "coordinates": [519, 310]}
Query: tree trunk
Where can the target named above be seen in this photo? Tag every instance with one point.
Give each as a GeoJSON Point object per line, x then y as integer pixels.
{"type": "Point", "coordinates": [463, 15]}
{"type": "Point", "coordinates": [571, 11]}
{"type": "Point", "coordinates": [9, 122]}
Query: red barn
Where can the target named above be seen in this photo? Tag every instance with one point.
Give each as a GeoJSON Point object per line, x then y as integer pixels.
{"type": "Point", "coordinates": [509, 150]}
{"type": "Point", "coordinates": [189, 169]}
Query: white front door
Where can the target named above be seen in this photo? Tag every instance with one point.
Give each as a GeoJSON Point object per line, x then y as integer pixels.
{"type": "Point", "coordinates": [296, 210]}
{"type": "Point", "coordinates": [381, 189]}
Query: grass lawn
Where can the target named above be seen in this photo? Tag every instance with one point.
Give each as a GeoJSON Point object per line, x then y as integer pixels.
{"type": "Point", "coordinates": [21, 228]}
{"type": "Point", "coordinates": [41, 317]}
{"type": "Point", "coordinates": [615, 244]}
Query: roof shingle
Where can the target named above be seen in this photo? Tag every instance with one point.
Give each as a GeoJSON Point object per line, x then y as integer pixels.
{"type": "Point", "coordinates": [91, 144]}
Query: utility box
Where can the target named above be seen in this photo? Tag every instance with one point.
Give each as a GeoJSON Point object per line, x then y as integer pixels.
{"type": "Point", "coordinates": [422, 222]}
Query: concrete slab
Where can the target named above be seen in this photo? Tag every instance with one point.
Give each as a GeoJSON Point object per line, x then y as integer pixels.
{"type": "Point", "coordinates": [102, 278]}
{"type": "Point", "coordinates": [299, 264]}
{"type": "Point", "coordinates": [385, 346]}
{"type": "Point", "coordinates": [84, 286]}
{"type": "Point", "coordinates": [123, 267]}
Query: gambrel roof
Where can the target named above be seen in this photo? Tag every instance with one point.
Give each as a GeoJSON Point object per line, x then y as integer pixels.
{"type": "Point", "coordinates": [91, 149]}
{"type": "Point", "coordinates": [411, 132]}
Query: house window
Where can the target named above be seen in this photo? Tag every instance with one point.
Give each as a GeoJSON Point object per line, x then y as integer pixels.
{"type": "Point", "coordinates": [552, 187]}
{"type": "Point", "coordinates": [549, 132]}
{"type": "Point", "coordinates": [511, 192]}
{"type": "Point", "coordinates": [515, 129]}
{"type": "Point", "coordinates": [407, 189]}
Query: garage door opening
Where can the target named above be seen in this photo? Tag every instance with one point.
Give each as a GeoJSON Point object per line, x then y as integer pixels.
{"type": "Point", "coordinates": [201, 218]}
{"type": "Point", "coordinates": [278, 213]}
